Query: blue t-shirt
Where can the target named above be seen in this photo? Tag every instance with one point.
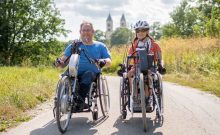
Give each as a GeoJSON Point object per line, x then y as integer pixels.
{"type": "Point", "coordinates": [97, 50]}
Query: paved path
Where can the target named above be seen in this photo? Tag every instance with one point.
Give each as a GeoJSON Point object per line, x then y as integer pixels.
{"type": "Point", "coordinates": [187, 112]}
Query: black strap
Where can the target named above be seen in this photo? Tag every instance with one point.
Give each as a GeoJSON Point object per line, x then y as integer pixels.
{"type": "Point", "coordinates": [147, 48]}
{"type": "Point", "coordinates": [75, 47]}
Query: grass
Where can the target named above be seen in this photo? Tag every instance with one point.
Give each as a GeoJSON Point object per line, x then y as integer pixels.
{"type": "Point", "coordinates": [209, 84]}
{"type": "Point", "coordinates": [117, 55]}
{"type": "Point", "coordinates": [201, 55]}
{"type": "Point", "coordinates": [22, 89]}
{"type": "Point", "coordinates": [193, 62]}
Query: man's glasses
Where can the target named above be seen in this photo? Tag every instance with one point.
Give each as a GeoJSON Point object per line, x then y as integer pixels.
{"type": "Point", "coordinates": [86, 30]}
{"type": "Point", "coordinates": [141, 30]}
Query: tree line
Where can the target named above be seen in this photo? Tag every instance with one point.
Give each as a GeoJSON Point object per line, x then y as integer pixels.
{"type": "Point", "coordinates": [29, 28]}
{"type": "Point", "coordinates": [198, 18]}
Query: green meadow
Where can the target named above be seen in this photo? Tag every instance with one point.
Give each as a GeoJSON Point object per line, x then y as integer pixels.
{"type": "Point", "coordinates": [22, 88]}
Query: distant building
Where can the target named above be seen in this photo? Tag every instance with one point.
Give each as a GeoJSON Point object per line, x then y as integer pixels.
{"type": "Point", "coordinates": [123, 21]}
{"type": "Point", "coordinates": [109, 25]}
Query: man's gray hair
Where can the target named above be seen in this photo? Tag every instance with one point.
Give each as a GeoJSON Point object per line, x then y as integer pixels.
{"type": "Point", "coordinates": [85, 23]}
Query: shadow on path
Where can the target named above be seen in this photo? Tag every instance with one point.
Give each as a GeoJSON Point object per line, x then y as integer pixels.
{"type": "Point", "coordinates": [134, 126]}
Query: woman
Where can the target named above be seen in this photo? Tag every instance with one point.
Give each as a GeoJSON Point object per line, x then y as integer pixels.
{"type": "Point", "coordinates": [143, 39]}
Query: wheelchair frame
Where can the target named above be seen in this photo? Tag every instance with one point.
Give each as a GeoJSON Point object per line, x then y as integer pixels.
{"type": "Point", "coordinates": [138, 84]}
{"type": "Point", "coordinates": [65, 101]}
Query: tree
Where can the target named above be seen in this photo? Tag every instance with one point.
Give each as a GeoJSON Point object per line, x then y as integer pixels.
{"type": "Point", "coordinates": [25, 21]}
{"type": "Point", "coordinates": [99, 36]}
{"type": "Point", "coordinates": [169, 30]}
{"type": "Point", "coordinates": [184, 17]}
{"type": "Point", "coordinates": [213, 24]}
{"type": "Point", "coordinates": [121, 36]}
{"type": "Point", "coordinates": [156, 31]}
{"type": "Point", "coordinates": [200, 20]}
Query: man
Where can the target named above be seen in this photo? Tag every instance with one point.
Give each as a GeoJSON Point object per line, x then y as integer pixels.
{"type": "Point", "coordinates": [93, 49]}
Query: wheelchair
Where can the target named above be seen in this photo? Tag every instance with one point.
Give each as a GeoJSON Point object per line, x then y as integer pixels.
{"type": "Point", "coordinates": [139, 82]}
{"type": "Point", "coordinates": [67, 98]}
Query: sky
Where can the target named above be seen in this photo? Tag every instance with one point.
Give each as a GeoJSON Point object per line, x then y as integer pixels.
{"type": "Point", "coordinates": [74, 12]}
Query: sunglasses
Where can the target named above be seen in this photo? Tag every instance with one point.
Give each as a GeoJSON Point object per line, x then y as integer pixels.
{"type": "Point", "coordinates": [141, 30]}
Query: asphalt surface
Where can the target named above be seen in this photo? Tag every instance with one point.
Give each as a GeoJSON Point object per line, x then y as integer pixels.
{"type": "Point", "coordinates": [187, 111]}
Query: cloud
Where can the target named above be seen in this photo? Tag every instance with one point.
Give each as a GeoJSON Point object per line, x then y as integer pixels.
{"type": "Point", "coordinates": [168, 1]}
{"type": "Point", "coordinates": [92, 8]}
{"type": "Point", "coordinates": [104, 3]}
{"type": "Point", "coordinates": [96, 11]}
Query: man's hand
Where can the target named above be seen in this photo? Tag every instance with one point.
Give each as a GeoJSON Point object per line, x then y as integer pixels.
{"type": "Point", "coordinates": [58, 62]}
{"type": "Point", "coordinates": [101, 62]}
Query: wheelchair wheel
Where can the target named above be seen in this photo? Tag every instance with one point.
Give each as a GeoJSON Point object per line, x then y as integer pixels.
{"type": "Point", "coordinates": [160, 96]}
{"type": "Point", "coordinates": [103, 93]}
{"type": "Point", "coordinates": [95, 115]}
{"type": "Point", "coordinates": [123, 98]}
{"type": "Point", "coordinates": [63, 108]}
{"type": "Point", "coordinates": [143, 106]}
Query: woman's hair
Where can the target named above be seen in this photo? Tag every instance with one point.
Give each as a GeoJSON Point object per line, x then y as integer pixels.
{"type": "Point", "coordinates": [145, 37]}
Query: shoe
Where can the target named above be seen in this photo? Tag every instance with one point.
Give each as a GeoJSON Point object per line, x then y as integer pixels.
{"type": "Point", "coordinates": [135, 99]}
{"type": "Point", "coordinates": [79, 103]}
{"type": "Point", "coordinates": [146, 101]}
{"type": "Point", "coordinates": [82, 106]}
{"type": "Point", "coordinates": [149, 103]}
{"type": "Point", "coordinates": [86, 106]}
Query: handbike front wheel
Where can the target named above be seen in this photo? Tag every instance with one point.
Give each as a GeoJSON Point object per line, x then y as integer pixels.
{"type": "Point", "coordinates": [121, 94]}
{"type": "Point", "coordinates": [63, 108]}
{"type": "Point", "coordinates": [143, 107]}
{"type": "Point", "coordinates": [160, 96]}
{"type": "Point", "coordinates": [103, 93]}
{"type": "Point", "coordinates": [123, 98]}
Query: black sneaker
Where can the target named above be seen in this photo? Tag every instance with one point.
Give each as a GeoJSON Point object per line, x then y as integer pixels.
{"type": "Point", "coordinates": [146, 101]}
{"type": "Point", "coordinates": [79, 107]}
{"type": "Point", "coordinates": [86, 106]}
{"type": "Point", "coordinates": [149, 103]}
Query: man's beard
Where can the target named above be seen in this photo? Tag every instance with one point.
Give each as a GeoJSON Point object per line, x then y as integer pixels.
{"type": "Point", "coordinates": [86, 40]}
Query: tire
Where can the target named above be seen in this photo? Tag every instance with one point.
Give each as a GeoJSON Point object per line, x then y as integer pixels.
{"type": "Point", "coordinates": [63, 108]}
{"type": "Point", "coordinates": [121, 95]}
{"type": "Point", "coordinates": [95, 115]}
{"type": "Point", "coordinates": [143, 106]}
{"type": "Point", "coordinates": [103, 93]}
{"type": "Point", "coordinates": [123, 98]}
{"type": "Point", "coordinates": [124, 114]}
{"type": "Point", "coordinates": [160, 94]}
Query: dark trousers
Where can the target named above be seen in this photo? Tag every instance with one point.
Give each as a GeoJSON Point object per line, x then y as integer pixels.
{"type": "Point", "coordinates": [85, 81]}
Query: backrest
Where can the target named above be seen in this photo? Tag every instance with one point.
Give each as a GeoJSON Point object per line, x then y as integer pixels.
{"type": "Point", "coordinates": [146, 61]}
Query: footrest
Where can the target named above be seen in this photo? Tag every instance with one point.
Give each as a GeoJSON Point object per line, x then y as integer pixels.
{"type": "Point", "coordinates": [137, 109]}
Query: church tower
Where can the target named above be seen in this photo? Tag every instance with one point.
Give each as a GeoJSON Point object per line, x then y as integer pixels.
{"type": "Point", "coordinates": [123, 21]}
{"type": "Point", "coordinates": [109, 27]}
